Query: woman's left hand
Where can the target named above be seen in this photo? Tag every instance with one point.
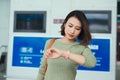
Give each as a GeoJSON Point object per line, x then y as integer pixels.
{"type": "Point", "coordinates": [53, 53]}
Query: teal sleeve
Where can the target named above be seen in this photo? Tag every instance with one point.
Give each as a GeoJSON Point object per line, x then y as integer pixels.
{"type": "Point", "coordinates": [42, 64]}
{"type": "Point", "coordinates": [90, 60]}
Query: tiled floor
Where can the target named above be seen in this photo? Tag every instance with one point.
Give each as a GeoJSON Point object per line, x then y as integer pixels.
{"type": "Point", "coordinates": [2, 76]}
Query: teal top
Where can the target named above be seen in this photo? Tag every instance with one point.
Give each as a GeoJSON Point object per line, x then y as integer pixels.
{"type": "Point", "coordinates": [65, 69]}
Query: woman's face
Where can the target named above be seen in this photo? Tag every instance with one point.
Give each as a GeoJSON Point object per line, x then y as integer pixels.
{"type": "Point", "coordinates": [72, 28]}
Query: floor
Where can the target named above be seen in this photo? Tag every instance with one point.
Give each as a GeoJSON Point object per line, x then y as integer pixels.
{"type": "Point", "coordinates": [118, 71]}
{"type": "Point", "coordinates": [2, 72]}
{"type": "Point", "coordinates": [3, 64]}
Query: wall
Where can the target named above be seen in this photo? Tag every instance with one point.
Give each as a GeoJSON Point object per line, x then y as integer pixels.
{"type": "Point", "coordinates": [4, 21]}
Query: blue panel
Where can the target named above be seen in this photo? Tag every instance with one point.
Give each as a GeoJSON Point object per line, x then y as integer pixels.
{"type": "Point", "coordinates": [27, 51]}
{"type": "Point", "coordinates": [101, 49]}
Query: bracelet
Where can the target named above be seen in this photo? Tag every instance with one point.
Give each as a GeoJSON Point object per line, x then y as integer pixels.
{"type": "Point", "coordinates": [67, 54]}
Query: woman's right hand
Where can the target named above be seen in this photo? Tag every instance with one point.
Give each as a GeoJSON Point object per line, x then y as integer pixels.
{"type": "Point", "coordinates": [53, 53]}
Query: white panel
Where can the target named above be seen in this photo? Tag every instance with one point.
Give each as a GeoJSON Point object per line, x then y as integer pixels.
{"type": "Point", "coordinates": [59, 10]}
{"type": "Point", "coordinates": [93, 4]}
{"type": "Point", "coordinates": [4, 36]}
{"type": "Point", "coordinates": [30, 4]}
{"type": "Point", "coordinates": [4, 21]}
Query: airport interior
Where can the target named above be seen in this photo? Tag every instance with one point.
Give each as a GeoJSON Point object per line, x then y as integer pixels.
{"type": "Point", "coordinates": [16, 31]}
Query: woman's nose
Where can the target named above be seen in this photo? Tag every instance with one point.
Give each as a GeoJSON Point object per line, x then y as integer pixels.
{"type": "Point", "coordinates": [72, 30]}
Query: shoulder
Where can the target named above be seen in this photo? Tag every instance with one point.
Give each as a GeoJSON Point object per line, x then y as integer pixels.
{"type": "Point", "coordinates": [47, 42]}
{"type": "Point", "coordinates": [79, 46]}
{"type": "Point", "coordinates": [50, 40]}
{"type": "Point", "coordinates": [86, 48]}
{"type": "Point", "coordinates": [83, 48]}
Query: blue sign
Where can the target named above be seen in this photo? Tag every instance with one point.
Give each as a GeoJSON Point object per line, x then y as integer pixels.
{"type": "Point", "coordinates": [101, 50]}
{"type": "Point", "coordinates": [27, 52]}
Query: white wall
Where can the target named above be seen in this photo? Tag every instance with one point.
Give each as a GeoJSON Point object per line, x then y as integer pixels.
{"type": "Point", "coordinates": [4, 21]}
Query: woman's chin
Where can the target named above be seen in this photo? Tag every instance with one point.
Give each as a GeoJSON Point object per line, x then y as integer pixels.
{"type": "Point", "coordinates": [70, 38]}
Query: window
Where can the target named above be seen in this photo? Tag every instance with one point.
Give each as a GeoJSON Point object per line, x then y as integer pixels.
{"type": "Point", "coordinates": [30, 21]}
{"type": "Point", "coordinates": [100, 21]}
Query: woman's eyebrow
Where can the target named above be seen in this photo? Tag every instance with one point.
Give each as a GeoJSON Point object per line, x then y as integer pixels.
{"type": "Point", "coordinates": [70, 23]}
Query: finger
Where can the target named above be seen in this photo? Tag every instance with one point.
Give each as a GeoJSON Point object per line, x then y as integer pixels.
{"type": "Point", "coordinates": [52, 50]}
{"type": "Point", "coordinates": [46, 54]}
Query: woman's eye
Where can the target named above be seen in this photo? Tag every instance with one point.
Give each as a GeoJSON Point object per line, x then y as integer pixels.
{"type": "Point", "coordinates": [78, 28]}
{"type": "Point", "coordinates": [70, 25]}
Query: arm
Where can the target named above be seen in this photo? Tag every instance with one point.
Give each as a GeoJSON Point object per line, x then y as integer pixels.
{"type": "Point", "coordinates": [86, 59]}
{"type": "Point", "coordinates": [80, 59]}
{"type": "Point", "coordinates": [90, 59]}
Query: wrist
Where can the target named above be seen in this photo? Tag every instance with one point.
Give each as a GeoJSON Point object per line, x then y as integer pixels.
{"type": "Point", "coordinates": [66, 54]}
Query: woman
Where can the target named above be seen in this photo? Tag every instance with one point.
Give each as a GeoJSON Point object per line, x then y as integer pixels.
{"type": "Point", "coordinates": [66, 54]}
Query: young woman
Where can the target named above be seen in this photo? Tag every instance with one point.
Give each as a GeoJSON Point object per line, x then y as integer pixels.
{"type": "Point", "coordinates": [66, 54]}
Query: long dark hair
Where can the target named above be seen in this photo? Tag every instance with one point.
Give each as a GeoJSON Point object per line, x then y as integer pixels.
{"type": "Point", "coordinates": [85, 35]}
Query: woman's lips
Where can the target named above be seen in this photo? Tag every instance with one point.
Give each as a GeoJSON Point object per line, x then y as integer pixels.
{"type": "Point", "coordinates": [70, 35]}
